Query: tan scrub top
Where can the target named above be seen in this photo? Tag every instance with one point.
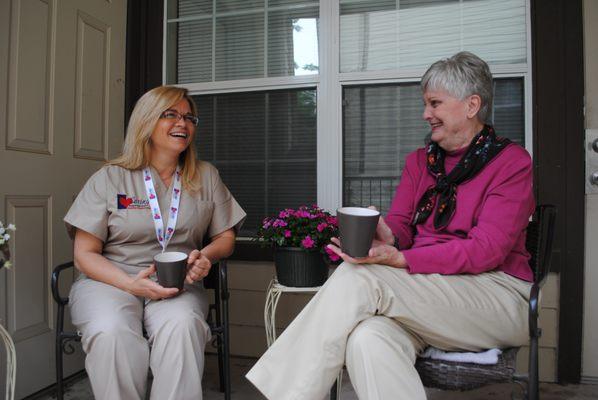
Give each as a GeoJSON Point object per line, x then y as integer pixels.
{"type": "Point", "coordinates": [113, 206]}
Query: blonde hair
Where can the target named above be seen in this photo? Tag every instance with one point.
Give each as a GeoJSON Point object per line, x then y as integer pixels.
{"type": "Point", "coordinates": [137, 148]}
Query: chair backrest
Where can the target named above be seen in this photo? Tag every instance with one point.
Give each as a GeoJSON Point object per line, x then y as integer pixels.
{"type": "Point", "coordinates": [540, 235]}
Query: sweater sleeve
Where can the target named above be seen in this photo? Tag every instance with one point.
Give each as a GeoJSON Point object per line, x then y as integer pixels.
{"type": "Point", "coordinates": [503, 216]}
{"type": "Point", "coordinates": [401, 209]}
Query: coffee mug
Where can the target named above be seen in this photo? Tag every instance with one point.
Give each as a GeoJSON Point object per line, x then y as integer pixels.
{"type": "Point", "coordinates": [357, 228]}
{"type": "Point", "coordinates": [171, 268]}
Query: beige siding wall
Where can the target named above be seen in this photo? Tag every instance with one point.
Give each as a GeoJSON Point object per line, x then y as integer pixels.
{"type": "Point", "coordinates": [548, 341]}
{"type": "Point", "coordinates": [248, 283]}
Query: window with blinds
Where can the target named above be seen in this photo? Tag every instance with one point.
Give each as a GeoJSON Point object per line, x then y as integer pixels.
{"type": "Point", "coordinates": [264, 146]}
{"type": "Point", "coordinates": [262, 135]}
{"type": "Point", "coordinates": [412, 34]}
{"type": "Point", "coordinates": [382, 124]}
{"type": "Point", "coordinates": [227, 40]}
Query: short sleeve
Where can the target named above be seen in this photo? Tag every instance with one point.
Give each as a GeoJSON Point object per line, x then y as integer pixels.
{"type": "Point", "coordinates": [227, 212]}
{"type": "Point", "coordinates": [89, 212]}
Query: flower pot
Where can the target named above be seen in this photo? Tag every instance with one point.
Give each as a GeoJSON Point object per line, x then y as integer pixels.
{"type": "Point", "coordinates": [297, 267]}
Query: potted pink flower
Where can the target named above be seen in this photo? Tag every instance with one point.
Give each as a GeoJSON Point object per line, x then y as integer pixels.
{"type": "Point", "coordinates": [299, 238]}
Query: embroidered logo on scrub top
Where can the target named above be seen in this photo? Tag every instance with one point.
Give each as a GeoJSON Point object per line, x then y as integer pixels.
{"type": "Point", "coordinates": [131, 203]}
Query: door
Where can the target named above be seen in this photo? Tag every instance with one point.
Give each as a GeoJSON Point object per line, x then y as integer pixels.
{"type": "Point", "coordinates": [590, 323]}
{"type": "Point", "coordinates": [62, 65]}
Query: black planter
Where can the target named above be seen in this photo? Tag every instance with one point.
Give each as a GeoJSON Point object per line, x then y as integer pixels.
{"type": "Point", "coordinates": [297, 267]}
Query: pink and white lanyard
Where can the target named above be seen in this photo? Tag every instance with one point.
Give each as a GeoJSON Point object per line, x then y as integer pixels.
{"type": "Point", "coordinates": [163, 235]}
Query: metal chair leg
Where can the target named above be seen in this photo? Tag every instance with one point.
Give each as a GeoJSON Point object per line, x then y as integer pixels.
{"type": "Point", "coordinates": [221, 379]}
{"type": "Point", "coordinates": [334, 391]}
{"type": "Point", "coordinates": [225, 332]}
{"type": "Point", "coordinates": [532, 384]}
{"type": "Point", "coordinates": [219, 345]}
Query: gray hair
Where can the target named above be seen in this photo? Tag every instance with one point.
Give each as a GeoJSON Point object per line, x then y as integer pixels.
{"type": "Point", "coordinates": [462, 75]}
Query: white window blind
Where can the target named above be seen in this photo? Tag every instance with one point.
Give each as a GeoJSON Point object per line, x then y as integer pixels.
{"type": "Point", "coordinates": [240, 57]}
{"type": "Point", "coordinates": [230, 40]}
{"type": "Point", "coordinates": [264, 146]}
{"type": "Point", "coordinates": [401, 34]}
{"type": "Point", "coordinates": [383, 124]}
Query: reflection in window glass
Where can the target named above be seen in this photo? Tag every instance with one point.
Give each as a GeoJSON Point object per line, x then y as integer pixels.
{"type": "Point", "coordinates": [264, 146]}
{"type": "Point", "coordinates": [239, 47]}
{"type": "Point", "coordinates": [305, 46]}
{"type": "Point", "coordinates": [238, 39]}
{"type": "Point", "coordinates": [277, 3]}
{"type": "Point", "coordinates": [195, 56]}
{"type": "Point", "coordinates": [293, 42]}
{"type": "Point", "coordinates": [237, 5]}
{"type": "Point", "coordinates": [385, 35]}
{"type": "Point", "coordinates": [383, 124]}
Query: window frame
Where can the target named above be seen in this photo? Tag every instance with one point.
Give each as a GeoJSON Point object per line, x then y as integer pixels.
{"type": "Point", "coordinates": [329, 83]}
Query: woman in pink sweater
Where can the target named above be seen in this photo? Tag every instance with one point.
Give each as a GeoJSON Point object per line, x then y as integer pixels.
{"type": "Point", "coordinates": [448, 267]}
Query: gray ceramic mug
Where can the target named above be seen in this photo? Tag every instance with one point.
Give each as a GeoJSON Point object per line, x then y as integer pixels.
{"type": "Point", "coordinates": [171, 268]}
{"type": "Point", "coordinates": [357, 228]}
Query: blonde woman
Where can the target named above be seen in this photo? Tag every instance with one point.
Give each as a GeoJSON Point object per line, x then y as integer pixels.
{"type": "Point", "coordinates": [113, 223]}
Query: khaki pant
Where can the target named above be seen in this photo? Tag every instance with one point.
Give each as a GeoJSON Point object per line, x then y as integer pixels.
{"type": "Point", "coordinates": [376, 319]}
{"type": "Point", "coordinates": [118, 356]}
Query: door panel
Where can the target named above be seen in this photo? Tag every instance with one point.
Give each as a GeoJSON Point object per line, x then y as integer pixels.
{"type": "Point", "coordinates": [31, 314]}
{"type": "Point", "coordinates": [92, 90]}
{"type": "Point", "coordinates": [32, 23]}
{"type": "Point", "coordinates": [63, 103]}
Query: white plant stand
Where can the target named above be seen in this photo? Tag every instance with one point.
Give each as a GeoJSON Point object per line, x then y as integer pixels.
{"type": "Point", "coordinates": [11, 363]}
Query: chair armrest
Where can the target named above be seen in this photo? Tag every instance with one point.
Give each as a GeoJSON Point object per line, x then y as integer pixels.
{"type": "Point", "coordinates": [223, 279]}
{"type": "Point", "coordinates": [534, 311]}
{"type": "Point", "coordinates": [54, 283]}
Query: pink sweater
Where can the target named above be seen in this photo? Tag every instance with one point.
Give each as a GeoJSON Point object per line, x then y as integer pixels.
{"type": "Point", "coordinates": [487, 231]}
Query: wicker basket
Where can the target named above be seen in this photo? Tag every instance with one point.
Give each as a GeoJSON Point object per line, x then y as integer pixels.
{"type": "Point", "coordinates": [451, 375]}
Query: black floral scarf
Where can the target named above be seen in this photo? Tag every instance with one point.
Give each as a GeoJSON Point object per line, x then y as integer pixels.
{"type": "Point", "coordinates": [483, 147]}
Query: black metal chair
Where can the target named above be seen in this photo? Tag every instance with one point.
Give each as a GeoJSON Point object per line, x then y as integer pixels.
{"type": "Point", "coordinates": [451, 375]}
{"type": "Point", "coordinates": [217, 319]}
{"type": "Point", "coordinates": [466, 376]}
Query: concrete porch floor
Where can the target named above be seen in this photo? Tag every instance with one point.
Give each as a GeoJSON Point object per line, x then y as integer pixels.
{"type": "Point", "coordinates": [79, 388]}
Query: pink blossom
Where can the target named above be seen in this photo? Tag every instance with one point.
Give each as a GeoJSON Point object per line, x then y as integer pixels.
{"type": "Point", "coordinates": [287, 233]}
{"type": "Point", "coordinates": [322, 226]}
{"type": "Point", "coordinates": [266, 223]}
{"type": "Point", "coordinates": [283, 214]}
{"type": "Point", "coordinates": [333, 256]}
{"type": "Point", "coordinates": [308, 242]}
{"type": "Point", "coordinates": [279, 223]}
{"type": "Point", "coordinates": [302, 214]}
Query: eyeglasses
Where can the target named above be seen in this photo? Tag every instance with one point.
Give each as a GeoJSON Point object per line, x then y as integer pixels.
{"type": "Point", "coordinates": [173, 115]}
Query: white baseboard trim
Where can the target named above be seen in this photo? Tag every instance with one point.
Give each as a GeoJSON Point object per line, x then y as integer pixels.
{"type": "Point", "coordinates": [589, 380]}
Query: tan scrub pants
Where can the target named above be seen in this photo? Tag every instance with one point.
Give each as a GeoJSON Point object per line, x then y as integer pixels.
{"type": "Point", "coordinates": [376, 319]}
{"type": "Point", "coordinates": [118, 356]}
